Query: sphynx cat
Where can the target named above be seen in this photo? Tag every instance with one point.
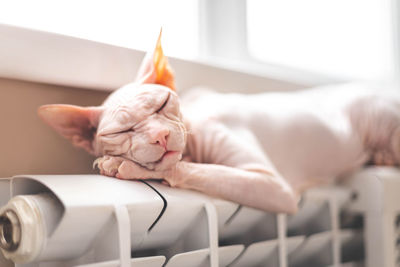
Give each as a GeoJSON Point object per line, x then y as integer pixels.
{"type": "Point", "coordinates": [260, 150]}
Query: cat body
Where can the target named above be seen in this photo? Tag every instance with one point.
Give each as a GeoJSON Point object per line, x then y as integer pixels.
{"type": "Point", "coordinates": [309, 136]}
{"type": "Point", "coordinates": [259, 150]}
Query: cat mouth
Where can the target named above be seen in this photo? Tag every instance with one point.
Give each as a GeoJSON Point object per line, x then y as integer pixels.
{"type": "Point", "coordinates": [165, 161]}
{"type": "Point", "coordinates": [166, 154]}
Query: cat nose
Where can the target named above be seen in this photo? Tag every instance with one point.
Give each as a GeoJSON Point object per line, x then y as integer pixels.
{"type": "Point", "coordinates": [160, 137]}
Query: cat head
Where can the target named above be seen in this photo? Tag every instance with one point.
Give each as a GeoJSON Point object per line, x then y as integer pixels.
{"type": "Point", "coordinates": [140, 121]}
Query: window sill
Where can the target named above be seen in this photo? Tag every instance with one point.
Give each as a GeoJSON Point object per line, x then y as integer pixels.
{"type": "Point", "coordinates": [44, 57]}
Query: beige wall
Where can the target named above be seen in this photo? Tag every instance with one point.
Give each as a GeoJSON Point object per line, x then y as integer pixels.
{"type": "Point", "coordinates": [27, 146]}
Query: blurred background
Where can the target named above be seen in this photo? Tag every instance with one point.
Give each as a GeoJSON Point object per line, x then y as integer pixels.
{"type": "Point", "coordinates": [310, 39]}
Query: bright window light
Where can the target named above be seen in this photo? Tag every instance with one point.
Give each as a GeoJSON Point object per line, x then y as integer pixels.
{"type": "Point", "coordinates": [344, 38]}
{"type": "Point", "coordinates": [133, 24]}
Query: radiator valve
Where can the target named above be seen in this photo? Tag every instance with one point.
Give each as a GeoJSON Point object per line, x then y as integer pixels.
{"type": "Point", "coordinates": [22, 228]}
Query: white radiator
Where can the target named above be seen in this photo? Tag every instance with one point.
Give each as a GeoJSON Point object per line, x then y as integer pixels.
{"type": "Point", "coordinates": [91, 220]}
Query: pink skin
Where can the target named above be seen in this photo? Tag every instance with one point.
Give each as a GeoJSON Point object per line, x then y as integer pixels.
{"type": "Point", "coordinates": [247, 149]}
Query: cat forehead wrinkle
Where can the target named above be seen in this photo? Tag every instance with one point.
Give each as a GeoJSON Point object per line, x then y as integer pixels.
{"type": "Point", "coordinates": [150, 87]}
{"type": "Point", "coordinates": [130, 94]}
{"type": "Point", "coordinates": [115, 119]}
{"type": "Point", "coordinates": [124, 115]}
{"type": "Point", "coordinates": [132, 109]}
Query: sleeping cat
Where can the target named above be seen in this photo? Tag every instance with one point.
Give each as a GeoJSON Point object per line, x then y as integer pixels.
{"type": "Point", "coordinates": [259, 150]}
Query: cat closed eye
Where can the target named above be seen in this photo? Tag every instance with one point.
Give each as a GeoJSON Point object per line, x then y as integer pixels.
{"type": "Point", "coordinates": [125, 131]}
{"type": "Point", "coordinates": [164, 104]}
{"type": "Point", "coordinates": [110, 135]}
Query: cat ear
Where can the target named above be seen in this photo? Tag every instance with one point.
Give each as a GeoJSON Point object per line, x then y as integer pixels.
{"type": "Point", "coordinates": [155, 68]}
{"type": "Point", "coordinates": [77, 124]}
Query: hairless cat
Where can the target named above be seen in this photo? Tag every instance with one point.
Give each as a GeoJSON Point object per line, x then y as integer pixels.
{"type": "Point", "coordinates": [259, 150]}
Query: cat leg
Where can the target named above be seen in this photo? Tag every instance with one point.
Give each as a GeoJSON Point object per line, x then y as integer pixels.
{"type": "Point", "coordinates": [230, 164]}
{"type": "Point", "coordinates": [254, 187]}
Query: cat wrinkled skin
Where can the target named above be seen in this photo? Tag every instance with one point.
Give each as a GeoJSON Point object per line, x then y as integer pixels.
{"type": "Point", "coordinates": [260, 150]}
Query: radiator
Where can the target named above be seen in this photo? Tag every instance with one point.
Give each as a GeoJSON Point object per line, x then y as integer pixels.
{"type": "Point", "coordinates": [92, 220]}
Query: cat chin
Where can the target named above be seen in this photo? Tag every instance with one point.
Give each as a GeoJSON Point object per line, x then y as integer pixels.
{"type": "Point", "coordinates": [168, 160]}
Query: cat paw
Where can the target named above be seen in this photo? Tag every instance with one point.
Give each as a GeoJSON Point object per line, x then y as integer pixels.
{"type": "Point", "coordinates": [395, 146]}
{"type": "Point", "coordinates": [122, 168]}
{"type": "Point", "coordinates": [388, 154]}
{"type": "Point", "coordinates": [108, 165]}
{"type": "Point", "coordinates": [384, 158]}
{"type": "Point", "coordinates": [131, 170]}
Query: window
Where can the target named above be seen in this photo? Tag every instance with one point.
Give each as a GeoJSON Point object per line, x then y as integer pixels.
{"type": "Point", "coordinates": [345, 38]}
{"type": "Point", "coordinates": [133, 24]}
